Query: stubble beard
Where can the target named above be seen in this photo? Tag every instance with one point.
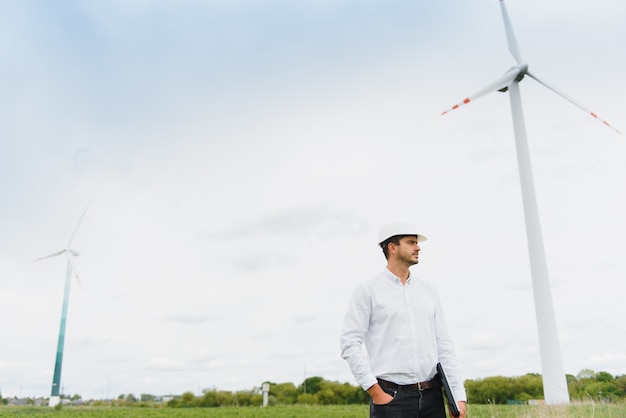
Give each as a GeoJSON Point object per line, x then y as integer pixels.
{"type": "Point", "coordinates": [410, 260]}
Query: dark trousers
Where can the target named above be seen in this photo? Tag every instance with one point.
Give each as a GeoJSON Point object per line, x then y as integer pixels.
{"type": "Point", "coordinates": [411, 404]}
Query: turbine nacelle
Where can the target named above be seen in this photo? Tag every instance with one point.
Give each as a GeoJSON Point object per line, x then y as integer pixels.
{"type": "Point", "coordinates": [519, 70]}
{"type": "Point", "coordinates": [522, 70]}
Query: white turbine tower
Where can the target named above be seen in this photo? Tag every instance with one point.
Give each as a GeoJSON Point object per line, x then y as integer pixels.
{"type": "Point", "coordinates": [70, 253]}
{"type": "Point", "coordinates": [554, 382]}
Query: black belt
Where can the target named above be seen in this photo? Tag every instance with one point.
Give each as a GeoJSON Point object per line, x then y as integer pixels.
{"type": "Point", "coordinates": [415, 387]}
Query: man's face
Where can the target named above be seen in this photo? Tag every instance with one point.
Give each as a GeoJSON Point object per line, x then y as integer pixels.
{"type": "Point", "coordinates": [408, 250]}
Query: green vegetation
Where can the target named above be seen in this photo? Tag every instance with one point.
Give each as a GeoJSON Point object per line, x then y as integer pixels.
{"type": "Point", "coordinates": [576, 410]}
{"type": "Point", "coordinates": [586, 386]}
{"type": "Point", "coordinates": [593, 394]}
{"type": "Point", "coordinates": [301, 411]}
{"type": "Point", "coordinates": [313, 391]}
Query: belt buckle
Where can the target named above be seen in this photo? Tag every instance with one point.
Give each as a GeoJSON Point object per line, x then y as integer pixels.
{"type": "Point", "coordinates": [420, 387]}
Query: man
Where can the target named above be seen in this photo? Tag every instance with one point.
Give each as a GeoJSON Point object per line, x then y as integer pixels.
{"type": "Point", "coordinates": [399, 321]}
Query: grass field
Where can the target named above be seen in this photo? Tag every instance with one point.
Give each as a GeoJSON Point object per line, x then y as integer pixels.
{"type": "Point", "coordinates": [587, 410]}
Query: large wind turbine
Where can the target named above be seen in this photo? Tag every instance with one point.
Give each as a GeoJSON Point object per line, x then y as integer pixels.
{"type": "Point", "coordinates": [70, 253]}
{"type": "Point", "coordinates": [554, 382]}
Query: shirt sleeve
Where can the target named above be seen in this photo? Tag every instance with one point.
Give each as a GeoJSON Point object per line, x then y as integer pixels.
{"type": "Point", "coordinates": [447, 354]}
{"type": "Point", "coordinates": [355, 324]}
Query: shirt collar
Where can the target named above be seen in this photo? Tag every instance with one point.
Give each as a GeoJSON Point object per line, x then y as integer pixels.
{"type": "Point", "coordinates": [388, 274]}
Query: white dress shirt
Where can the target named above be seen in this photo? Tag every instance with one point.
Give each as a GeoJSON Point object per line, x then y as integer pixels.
{"type": "Point", "coordinates": [398, 333]}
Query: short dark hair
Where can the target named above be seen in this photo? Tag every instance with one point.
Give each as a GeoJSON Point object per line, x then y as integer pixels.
{"type": "Point", "coordinates": [385, 244]}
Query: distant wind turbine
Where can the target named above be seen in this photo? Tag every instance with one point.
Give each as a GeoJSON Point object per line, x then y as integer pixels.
{"type": "Point", "coordinates": [554, 382]}
{"type": "Point", "coordinates": [70, 253]}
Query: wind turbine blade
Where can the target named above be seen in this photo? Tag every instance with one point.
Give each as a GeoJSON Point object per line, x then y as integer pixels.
{"type": "Point", "coordinates": [51, 255]}
{"type": "Point", "coordinates": [78, 225]}
{"type": "Point", "coordinates": [572, 101]}
{"type": "Point", "coordinates": [499, 84]}
{"type": "Point", "coordinates": [510, 35]}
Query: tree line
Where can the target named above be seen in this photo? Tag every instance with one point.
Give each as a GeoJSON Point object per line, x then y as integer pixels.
{"type": "Point", "coordinates": [312, 391]}
{"type": "Point", "coordinates": [586, 385]}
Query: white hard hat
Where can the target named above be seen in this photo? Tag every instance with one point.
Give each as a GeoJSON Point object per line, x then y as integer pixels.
{"type": "Point", "coordinates": [391, 229]}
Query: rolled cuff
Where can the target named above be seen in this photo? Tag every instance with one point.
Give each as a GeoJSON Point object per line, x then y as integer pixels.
{"type": "Point", "coordinates": [460, 395]}
{"type": "Point", "coordinates": [368, 381]}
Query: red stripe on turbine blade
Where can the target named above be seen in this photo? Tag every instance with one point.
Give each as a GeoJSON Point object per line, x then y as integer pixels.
{"type": "Point", "coordinates": [455, 107]}
{"type": "Point", "coordinates": [593, 114]}
{"type": "Point", "coordinates": [466, 101]}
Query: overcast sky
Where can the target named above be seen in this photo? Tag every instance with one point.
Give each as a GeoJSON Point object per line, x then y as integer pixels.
{"type": "Point", "coordinates": [240, 156]}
